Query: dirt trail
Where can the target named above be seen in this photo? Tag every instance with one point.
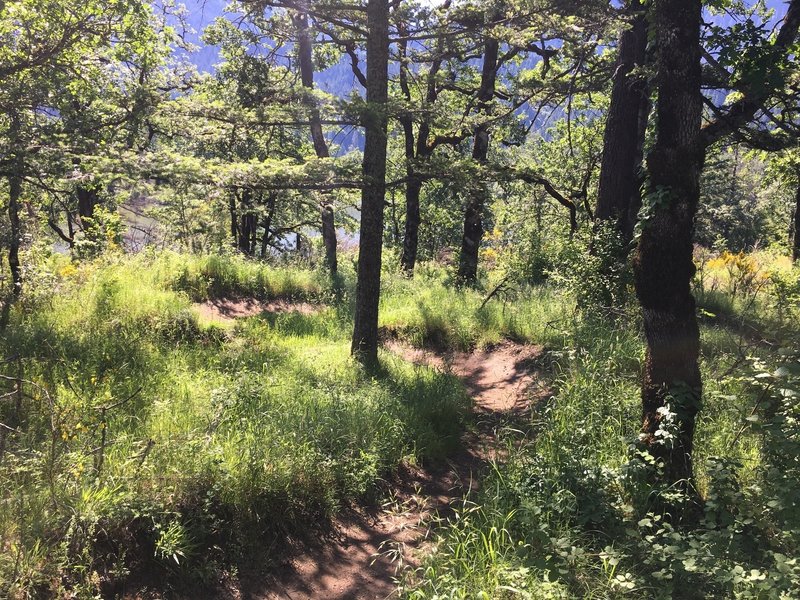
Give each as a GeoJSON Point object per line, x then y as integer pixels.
{"type": "Point", "coordinates": [354, 563]}
{"type": "Point", "coordinates": [498, 379]}
{"type": "Point", "coordinates": [224, 311]}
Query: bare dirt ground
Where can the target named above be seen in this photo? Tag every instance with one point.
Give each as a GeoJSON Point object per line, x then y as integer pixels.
{"type": "Point", "coordinates": [226, 310]}
{"type": "Point", "coordinates": [361, 560]}
{"type": "Point", "coordinates": [499, 379]}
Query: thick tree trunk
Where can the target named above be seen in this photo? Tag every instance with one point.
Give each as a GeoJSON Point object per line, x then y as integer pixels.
{"type": "Point", "coordinates": [14, 194]}
{"type": "Point", "coordinates": [365, 331]}
{"type": "Point", "coordinates": [473, 234]}
{"type": "Point", "coordinates": [305, 53]}
{"type": "Point", "coordinates": [476, 202]}
{"type": "Point", "coordinates": [663, 266]}
{"type": "Point", "coordinates": [618, 197]}
{"type": "Point", "coordinates": [796, 236]}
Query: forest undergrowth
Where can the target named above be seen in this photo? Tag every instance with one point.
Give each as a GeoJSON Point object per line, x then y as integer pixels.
{"type": "Point", "coordinates": [140, 437]}
{"type": "Point", "coordinates": [217, 219]}
{"type": "Point", "coordinates": [573, 513]}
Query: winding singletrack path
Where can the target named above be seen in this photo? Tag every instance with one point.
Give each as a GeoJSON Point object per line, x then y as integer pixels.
{"type": "Point", "coordinates": [362, 558]}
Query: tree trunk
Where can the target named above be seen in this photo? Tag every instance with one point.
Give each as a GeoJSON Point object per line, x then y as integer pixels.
{"type": "Point", "coordinates": [70, 228]}
{"type": "Point", "coordinates": [408, 259]}
{"type": "Point", "coordinates": [476, 202]}
{"type": "Point", "coordinates": [417, 154]}
{"type": "Point", "coordinates": [14, 194]}
{"type": "Point", "coordinates": [87, 200]}
{"type": "Point", "coordinates": [473, 234]}
{"type": "Point", "coordinates": [232, 200]}
{"type": "Point", "coordinates": [395, 222]}
{"type": "Point", "coordinates": [328, 231]}
{"type": "Point", "coordinates": [305, 54]}
{"type": "Point", "coordinates": [796, 228]}
{"type": "Point", "coordinates": [618, 194]}
{"type": "Point", "coordinates": [251, 248]}
{"type": "Point", "coordinates": [411, 233]}
{"type": "Point", "coordinates": [645, 108]}
{"type": "Point", "coordinates": [365, 331]}
{"type": "Point", "coordinates": [267, 224]}
{"type": "Point", "coordinates": [663, 266]}
{"type": "Point", "coordinates": [247, 223]}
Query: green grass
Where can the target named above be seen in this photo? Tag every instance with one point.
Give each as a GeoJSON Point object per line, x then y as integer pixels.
{"type": "Point", "coordinates": [214, 276]}
{"type": "Point", "coordinates": [430, 311]}
{"type": "Point", "coordinates": [265, 429]}
{"type": "Point", "coordinates": [569, 514]}
{"type": "Point", "coordinates": [209, 438]}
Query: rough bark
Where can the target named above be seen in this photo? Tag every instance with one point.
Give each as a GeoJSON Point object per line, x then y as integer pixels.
{"type": "Point", "coordinates": [365, 331]}
{"type": "Point", "coordinates": [247, 223]}
{"type": "Point", "coordinates": [476, 202]}
{"type": "Point", "coordinates": [14, 194]}
{"type": "Point", "coordinates": [305, 54]}
{"type": "Point", "coordinates": [663, 265]}
{"type": "Point", "coordinates": [796, 237]}
{"type": "Point", "coordinates": [618, 194]}
{"type": "Point", "coordinates": [88, 199]}
{"type": "Point", "coordinates": [408, 259]}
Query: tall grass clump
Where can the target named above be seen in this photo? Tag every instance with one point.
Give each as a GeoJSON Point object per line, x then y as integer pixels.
{"type": "Point", "coordinates": [233, 276]}
{"type": "Point", "coordinates": [429, 310]}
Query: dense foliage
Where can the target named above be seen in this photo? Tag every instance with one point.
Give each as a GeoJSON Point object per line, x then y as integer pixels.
{"type": "Point", "coordinates": [616, 182]}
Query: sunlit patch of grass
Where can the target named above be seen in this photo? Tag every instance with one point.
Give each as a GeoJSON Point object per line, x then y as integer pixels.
{"type": "Point", "coordinates": [210, 437]}
{"type": "Point", "coordinates": [429, 311]}
{"type": "Point", "coordinates": [568, 516]}
{"type": "Point", "coordinates": [173, 438]}
{"type": "Point", "coordinates": [223, 276]}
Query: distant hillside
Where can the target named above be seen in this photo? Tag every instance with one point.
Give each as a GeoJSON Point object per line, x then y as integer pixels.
{"type": "Point", "coordinates": [339, 79]}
